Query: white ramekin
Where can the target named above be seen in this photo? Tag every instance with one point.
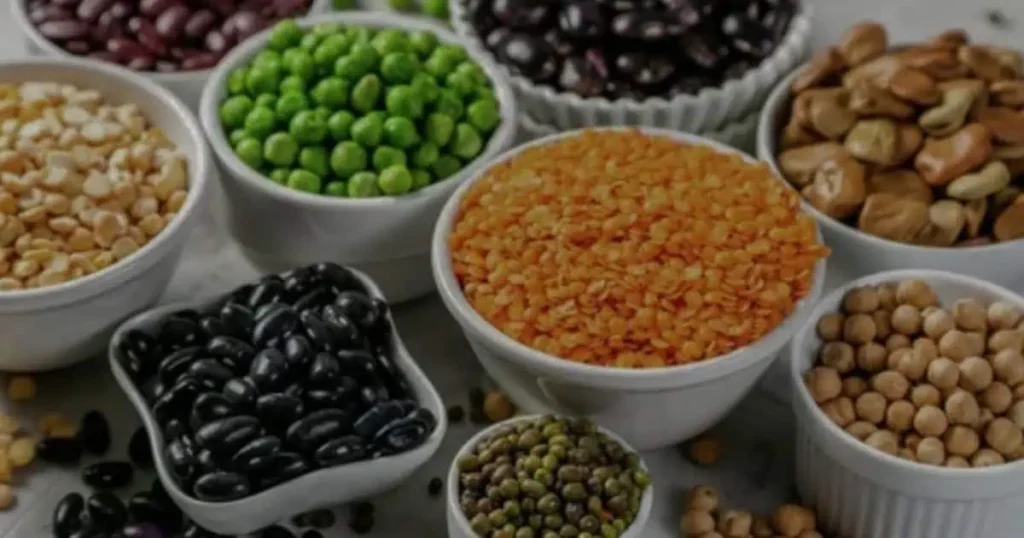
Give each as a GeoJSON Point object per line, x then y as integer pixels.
{"type": "Point", "coordinates": [323, 487]}
{"type": "Point", "coordinates": [56, 326]}
{"type": "Point", "coordinates": [188, 85]}
{"type": "Point", "coordinates": [709, 110]}
{"type": "Point", "coordinates": [861, 253]}
{"type": "Point", "coordinates": [860, 492]}
{"type": "Point", "coordinates": [458, 525]}
{"type": "Point", "coordinates": [387, 237]}
{"type": "Point", "coordinates": [650, 408]}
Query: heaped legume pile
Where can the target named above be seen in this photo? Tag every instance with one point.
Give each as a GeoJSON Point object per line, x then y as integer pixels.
{"type": "Point", "coordinates": [549, 477]}
{"type": "Point", "coordinates": [83, 183]}
{"type": "Point", "coordinates": [358, 112]}
{"type": "Point", "coordinates": [623, 249]}
{"type": "Point", "coordinates": [156, 35]}
{"type": "Point", "coordinates": [928, 384]}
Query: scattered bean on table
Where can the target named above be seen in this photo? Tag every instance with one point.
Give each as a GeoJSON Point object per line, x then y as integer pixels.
{"type": "Point", "coordinates": [618, 248]}
{"type": "Point", "coordinates": [705, 517]}
{"type": "Point", "coordinates": [705, 450]}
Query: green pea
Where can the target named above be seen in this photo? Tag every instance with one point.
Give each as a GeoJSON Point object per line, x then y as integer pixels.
{"type": "Point", "coordinates": [279, 175]}
{"type": "Point", "coordinates": [471, 69]}
{"type": "Point", "coordinates": [339, 124]}
{"type": "Point", "coordinates": [391, 40]}
{"type": "Point", "coordinates": [323, 113]}
{"type": "Point", "coordinates": [361, 35]}
{"type": "Point", "coordinates": [439, 10]}
{"type": "Point", "coordinates": [290, 104]}
{"type": "Point", "coordinates": [368, 130]}
{"type": "Point", "coordinates": [267, 100]}
{"type": "Point", "coordinates": [363, 185]}
{"type": "Point", "coordinates": [366, 93]}
{"type": "Point", "coordinates": [420, 179]}
{"type": "Point", "coordinates": [446, 166]}
{"type": "Point", "coordinates": [261, 80]}
{"type": "Point", "coordinates": [236, 81]}
{"type": "Point", "coordinates": [325, 29]}
{"type": "Point", "coordinates": [250, 151]}
{"type": "Point", "coordinates": [315, 160]}
{"type": "Point", "coordinates": [441, 62]}
{"type": "Point", "coordinates": [426, 86]}
{"type": "Point", "coordinates": [423, 42]}
{"type": "Point", "coordinates": [450, 104]}
{"type": "Point", "coordinates": [461, 83]}
{"type": "Point", "coordinates": [439, 128]}
{"type": "Point", "coordinates": [386, 156]}
{"type": "Point", "coordinates": [299, 63]}
{"type": "Point", "coordinates": [310, 42]}
{"type": "Point", "coordinates": [361, 60]}
{"type": "Point", "coordinates": [292, 83]}
{"type": "Point", "coordinates": [483, 115]}
{"type": "Point", "coordinates": [234, 110]}
{"type": "Point", "coordinates": [331, 92]}
{"type": "Point", "coordinates": [395, 180]}
{"type": "Point", "coordinates": [328, 52]}
{"type": "Point", "coordinates": [285, 34]}
{"type": "Point", "coordinates": [268, 59]}
{"type": "Point", "coordinates": [260, 122]}
{"type": "Point", "coordinates": [401, 132]}
{"type": "Point", "coordinates": [481, 525]}
{"type": "Point", "coordinates": [641, 478]}
{"type": "Point", "coordinates": [304, 180]}
{"type": "Point", "coordinates": [307, 127]}
{"type": "Point", "coordinates": [426, 155]}
{"type": "Point", "coordinates": [347, 158]}
{"type": "Point", "coordinates": [466, 142]}
{"type": "Point", "coordinates": [399, 67]}
{"type": "Point", "coordinates": [402, 101]}
{"type": "Point", "coordinates": [485, 93]}
{"type": "Point", "coordinates": [458, 52]}
{"type": "Point", "coordinates": [402, 5]}
{"type": "Point", "coordinates": [237, 136]}
{"type": "Point", "coordinates": [280, 149]}
{"type": "Point", "coordinates": [608, 531]}
{"type": "Point", "coordinates": [337, 188]}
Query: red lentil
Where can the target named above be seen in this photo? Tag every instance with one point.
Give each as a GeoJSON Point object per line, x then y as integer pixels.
{"type": "Point", "coordinates": [622, 249]}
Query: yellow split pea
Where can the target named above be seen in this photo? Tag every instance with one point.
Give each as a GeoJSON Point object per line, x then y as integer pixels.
{"type": "Point", "coordinates": [623, 249]}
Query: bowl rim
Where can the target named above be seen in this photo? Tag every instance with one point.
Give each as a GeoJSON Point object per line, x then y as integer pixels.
{"type": "Point", "coordinates": [794, 37]}
{"type": "Point", "coordinates": [807, 407]}
{"type": "Point", "coordinates": [199, 172]}
{"type": "Point", "coordinates": [666, 377]}
{"type": "Point", "coordinates": [452, 482]}
{"type": "Point", "coordinates": [245, 51]}
{"type": "Point", "coordinates": [430, 399]}
{"type": "Point", "coordinates": [767, 144]}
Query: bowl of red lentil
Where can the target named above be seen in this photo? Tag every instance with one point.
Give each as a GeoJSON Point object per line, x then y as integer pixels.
{"type": "Point", "coordinates": [645, 278]}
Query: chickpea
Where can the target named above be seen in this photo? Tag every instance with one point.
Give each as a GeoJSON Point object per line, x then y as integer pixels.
{"type": "Point", "coordinates": [790, 520]}
{"type": "Point", "coordinates": [696, 523]}
{"type": "Point", "coordinates": [969, 315]}
{"type": "Point", "coordinates": [1018, 392]}
{"type": "Point", "coordinates": [937, 323]}
{"type": "Point", "coordinates": [1016, 414]}
{"type": "Point", "coordinates": [854, 386]}
{"type": "Point", "coordinates": [929, 310]}
{"type": "Point", "coordinates": [1003, 315]}
{"type": "Point", "coordinates": [706, 451]}
{"type": "Point", "coordinates": [955, 345]}
{"type": "Point", "coordinates": [976, 342]}
{"type": "Point", "coordinates": [824, 383]}
{"type": "Point", "coordinates": [830, 326]}
{"type": "Point", "coordinates": [892, 362]}
{"type": "Point", "coordinates": [906, 454]}
{"type": "Point", "coordinates": [930, 421]}
{"type": "Point", "coordinates": [985, 417]}
{"type": "Point", "coordinates": [986, 457]}
{"type": "Point", "coordinates": [1004, 436]}
{"type": "Point", "coordinates": [899, 417]}
{"type": "Point", "coordinates": [923, 395]}
{"type": "Point", "coordinates": [861, 429]}
{"type": "Point", "coordinates": [886, 296]}
{"type": "Point", "coordinates": [917, 293]}
{"type": "Point", "coordinates": [859, 329]}
{"type": "Point", "coordinates": [702, 499]}
{"type": "Point", "coordinates": [810, 534]}
{"type": "Point", "coordinates": [891, 384]}
{"type": "Point", "coordinates": [762, 528]}
{"type": "Point", "coordinates": [838, 355]}
{"type": "Point", "coordinates": [911, 440]}
{"type": "Point", "coordinates": [914, 364]}
{"type": "Point", "coordinates": [840, 411]}
{"type": "Point", "coordinates": [870, 406]}
{"type": "Point", "coordinates": [885, 441]}
{"type": "Point", "coordinates": [927, 348]}
{"type": "Point", "coordinates": [6, 497]}
{"type": "Point", "coordinates": [931, 450]}
{"type": "Point", "coordinates": [943, 373]}
{"type": "Point", "coordinates": [1008, 366]}
{"type": "Point", "coordinates": [997, 397]}
{"type": "Point", "coordinates": [861, 300]}
{"type": "Point", "coordinates": [961, 441]}
{"type": "Point", "coordinates": [975, 374]}
{"type": "Point", "coordinates": [883, 323]}
{"type": "Point", "coordinates": [957, 462]}
{"type": "Point", "coordinates": [1006, 339]}
{"type": "Point", "coordinates": [962, 408]}
{"type": "Point", "coordinates": [871, 357]}
{"type": "Point", "coordinates": [896, 341]}
{"type": "Point", "coordinates": [735, 523]}
{"type": "Point", "coordinates": [906, 319]}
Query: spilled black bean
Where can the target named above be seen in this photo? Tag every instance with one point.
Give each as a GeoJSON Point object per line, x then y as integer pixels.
{"type": "Point", "coordinates": [108, 474]}
{"type": "Point", "coordinates": [63, 450]}
{"type": "Point", "coordinates": [146, 507]}
{"type": "Point", "coordinates": [106, 511]}
{"type": "Point", "coordinates": [95, 433]}
{"type": "Point", "coordinates": [67, 516]}
{"type": "Point", "coordinates": [138, 449]}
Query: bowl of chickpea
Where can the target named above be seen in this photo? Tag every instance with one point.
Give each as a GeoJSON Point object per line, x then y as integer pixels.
{"type": "Point", "coordinates": [910, 407]}
{"type": "Point", "coordinates": [102, 177]}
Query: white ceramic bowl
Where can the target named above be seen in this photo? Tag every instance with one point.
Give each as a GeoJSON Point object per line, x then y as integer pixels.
{"type": "Point", "coordinates": [324, 487]}
{"type": "Point", "coordinates": [187, 85]}
{"type": "Point", "coordinates": [387, 237]}
{"type": "Point", "coordinates": [709, 110]}
{"type": "Point", "coordinates": [860, 492]}
{"type": "Point", "coordinates": [860, 253]}
{"type": "Point", "coordinates": [85, 311]}
{"type": "Point", "coordinates": [650, 408]}
{"type": "Point", "coordinates": [458, 525]}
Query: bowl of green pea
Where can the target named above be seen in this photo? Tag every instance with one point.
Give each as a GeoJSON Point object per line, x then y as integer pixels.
{"type": "Point", "coordinates": [341, 136]}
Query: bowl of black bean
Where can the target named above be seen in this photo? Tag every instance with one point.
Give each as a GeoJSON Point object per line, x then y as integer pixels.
{"type": "Point", "coordinates": [693, 65]}
{"type": "Point", "coordinates": [284, 395]}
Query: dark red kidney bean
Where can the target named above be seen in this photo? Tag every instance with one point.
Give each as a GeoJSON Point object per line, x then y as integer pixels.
{"type": "Point", "coordinates": [253, 5]}
{"type": "Point", "coordinates": [202, 60]}
{"type": "Point", "coordinates": [49, 13]}
{"type": "Point", "coordinates": [90, 10]}
{"type": "Point", "coordinates": [134, 24]}
{"type": "Point", "coordinates": [171, 22]}
{"type": "Point", "coordinates": [153, 8]}
{"type": "Point", "coordinates": [164, 66]}
{"type": "Point", "coordinates": [126, 49]}
{"type": "Point", "coordinates": [107, 27]}
{"type": "Point", "coordinates": [104, 55]}
{"type": "Point", "coordinates": [224, 7]}
{"type": "Point", "coordinates": [64, 30]}
{"type": "Point", "coordinates": [177, 53]}
{"type": "Point", "coordinates": [78, 46]}
{"type": "Point", "coordinates": [199, 23]}
{"type": "Point", "coordinates": [121, 9]}
{"type": "Point", "coordinates": [66, 3]}
{"type": "Point", "coordinates": [289, 8]}
{"type": "Point", "coordinates": [216, 42]}
{"type": "Point", "coordinates": [140, 63]}
{"type": "Point", "coordinates": [244, 24]}
{"type": "Point", "coordinates": [150, 38]}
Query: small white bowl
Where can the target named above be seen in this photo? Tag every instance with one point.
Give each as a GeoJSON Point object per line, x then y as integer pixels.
{"type": "Point", "coordinates": [861, 253]}
{"type": "Point", "coordinates": [651, 408]}
{"type": "Point", "coordinates": [188, 85]}
{"type": "Point", "coordinates": [57, 326]}
{"type": "Point", "coordinates": [710, 110]}
{"type": "Point", "coordinates": [388, 237]}
{"type": "Point", "coordinates": [458, 525]}
{"type": "Point", "coordinates": [861, 492]}
{"type": "Point", "coordinates": [323, 487]}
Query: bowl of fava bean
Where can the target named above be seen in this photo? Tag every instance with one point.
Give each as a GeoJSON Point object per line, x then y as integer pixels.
{"type": "Point", "coordinates": [909, 391]}
{"type": "Point", "coordinates": [343, 135]}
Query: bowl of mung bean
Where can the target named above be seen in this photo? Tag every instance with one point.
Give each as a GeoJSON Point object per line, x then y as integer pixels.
{"type": "Point", "coordinates": [546, 476]}
{"type": "Point", "coordinates": [103, 177]}
{"type": "Point", "coordinates": [909, 400]}
{"type": "Point", "coordinates": [644, 278]}
{"type": "Point", "coordinates": [342, 135]}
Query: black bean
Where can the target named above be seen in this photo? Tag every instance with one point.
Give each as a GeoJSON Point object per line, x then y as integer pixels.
{"type": "Point", "coordinates": [62, 450]}
{"type": "Point", "coordinates": [456, 414]}
{"type": "Point", "coordinates": [317, 428]}
{"type": "Point", "coordinates": [358, 307]}
{"type": "Point", "coordinates": [339, 278]}
{"type": "Point", "coordinates": [340, 451]}
{"type": "Point", "coordinates": [206, 462]}
{"type": "Point", "coordinates": [312, 534]}
{"type": "Point", "coordinates": [177, 363]}
{"type": "Point", "coordinates": [106, 511]}
{"type": "Point", "coordinates": [192, 530]}
{"type": "Point", "coordinates": [157, 491]}
{"type": "Point", "coordinates": [346, 333]}
{"type": "Point", "coordinates": [177, 401]}
{"type": "Point", "coordinates": [67, 516]}
{"type": "Point", "coordinates": [208, 407]}
{"type": "Point", "coordinates": [221, 487]}
{"type": "Point", "coordinates": [362, 523]}
{"type": "Point", "coordinates": [237, 319]}
{"type": "Point", "coordinates": [276, 531]}
{"type": "Point", "coordinates": [322, 519]}
{"type": "Point", "coordinates": [181, 455]}
{"type": "Point", "coordinates": [227, 435]}
{"type": "Point", "coordinates": [269, 370]}
{"type": "Point", "coordinates": [178, 331]}
{"type": "Point", "coordinates": [298, 350]}
{"type": "Point", "coordinates": [142, 530]}
{"type": "Point", "coordinates": [318, 331]}
{"type": "Point", "coordinates": [325, 370]}
{"type": "Point", "coordinates": [402, 435]}
{"type": "Point", "coordinates": [145, 507]}
{"type": "Point", "coordinates": [284, 467]}
{"type": "Point", "coordinates": [277, 411]}
{"type": "Point", "coordinates": [256, 455]}
{"type": "Point", "coordinates": [375, 418]}
{"type": "Point", "coordinates": [318, 297]}
{"type": "Point", "coordinates": [277, 323]}
{"type": "Point", "coordinates": [108, 474]}
{"type": "Point", "coordinates": [435, 486]}
{"type": "Point", "coordinates": [269, 290]}
{"type": "Point", "coordinates": [95, 433]}
{"type": "Point", "coordinates": [241, 392]}
{"type": "Point", "coordinates": [175, 428]}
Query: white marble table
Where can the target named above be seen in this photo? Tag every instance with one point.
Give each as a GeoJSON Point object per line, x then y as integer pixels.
{"type": "Point", "coordinates": [755, 472]}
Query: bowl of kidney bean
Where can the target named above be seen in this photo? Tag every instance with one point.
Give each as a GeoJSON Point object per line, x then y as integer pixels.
{"type": "Point", "coordinates": [175, 42]}
{"type": "Point", "coordinates": [692, 65]}
{"type": "Point", "coordinates": [286, 394]}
